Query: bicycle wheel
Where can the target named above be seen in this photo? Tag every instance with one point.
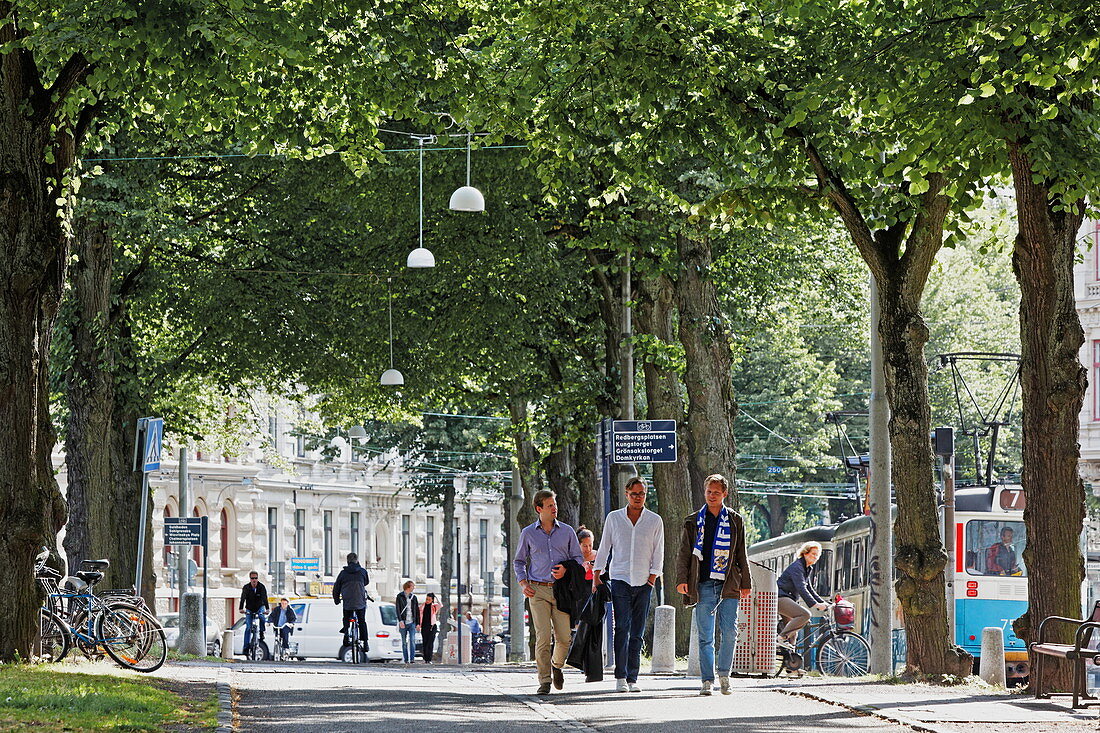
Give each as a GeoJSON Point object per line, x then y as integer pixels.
{"type": "Point", "coordinates": [132, 637]}
{"type": "Point", "coordinates": [356, 650]}
{"type": "Point", "coordinates": [255, 651]}
{"type": "Point", "coordinates": [54, 637]}
{"type": "Point", "coordinates": [845, 654]}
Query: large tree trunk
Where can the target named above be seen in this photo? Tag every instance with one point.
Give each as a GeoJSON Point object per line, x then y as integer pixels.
{"type": "Point", "coordinates": [89, 392]}
{"type": "Point", "coordinates": [776, 512]}
{"type": "Point", "coordinates": [901, 274]}
{"type": "Point", "coordinates": [34, 250]}
{"type": "Point", "coordinates": [704, 334]}
{"type": "Point", "coordinates": [446, 565]}
{"type": "Point", "coordinates": [664, 397]}
{"type": "Point", "coordinates": [584, 478]}
{"type": "Point", "coordinates": [527, 460]}
{"type": "Point", "coordinates": [1052, 386]}
{"type": "Point", "coordinates": [919, 553]}
{"type": "Point", "coordinates": [560, 480]}
{"type": "Point", "coordinates": [104, 491]}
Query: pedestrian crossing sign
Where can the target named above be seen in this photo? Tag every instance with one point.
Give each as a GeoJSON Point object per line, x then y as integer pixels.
{"type": "Point", "coordinates": [154, 438]}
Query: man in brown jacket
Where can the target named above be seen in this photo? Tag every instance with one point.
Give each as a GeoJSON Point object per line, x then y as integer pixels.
{"type": "Point", "coordinates": [712, 570]}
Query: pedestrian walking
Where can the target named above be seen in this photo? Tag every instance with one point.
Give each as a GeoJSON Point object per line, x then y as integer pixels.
{"type": "Point", "coordinates": [254, 603]}
{"type": "Point", "coordinates": [541, 549]}
{"type": "Point", "coordinates": [429, 626]}
{"type": "Point", "coordinates": [408, 617]}
{"type": "Point", "coordinates": [634, 540]}
{"type": "Point", "coordinates": [586, 540]}
{"type": "Point", "coordinates": [474, 624]}
{"type": "Point", "coordinates": [351, 589]}
{"type": "Point", "coordinates": [712, 570]}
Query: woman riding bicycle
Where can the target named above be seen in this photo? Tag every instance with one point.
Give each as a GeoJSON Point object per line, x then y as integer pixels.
{"type": "Point", "coordinates": [797, 582]}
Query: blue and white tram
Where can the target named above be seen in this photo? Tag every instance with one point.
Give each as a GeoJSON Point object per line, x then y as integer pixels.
{"type": "Point", "coordinates": [990, 578]}
{"type": "Point", "coordinates": [986, 594]}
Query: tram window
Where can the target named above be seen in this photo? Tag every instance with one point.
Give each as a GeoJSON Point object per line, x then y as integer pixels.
{"type": "Point", "coordinates": [995, 547]}
{"type": "Point", "coordinates": [841, 581]}
{"type": "Point", "coordinates": [822, 577]}
{"type": "Point", "coordinates": [858, 565]}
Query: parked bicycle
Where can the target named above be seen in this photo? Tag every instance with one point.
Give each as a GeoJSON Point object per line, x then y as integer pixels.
{"type": "Point", "coordinates": [73, 615]}
{"type": "Point", "coordinates": [838, 651]}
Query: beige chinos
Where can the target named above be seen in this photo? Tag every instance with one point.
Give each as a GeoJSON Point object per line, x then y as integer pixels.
{"type": "Point", "coordinates": [545, 615]}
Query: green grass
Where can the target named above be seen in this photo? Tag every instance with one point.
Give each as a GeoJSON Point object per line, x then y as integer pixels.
{"type": "Point", "coordinates": [38, 698]}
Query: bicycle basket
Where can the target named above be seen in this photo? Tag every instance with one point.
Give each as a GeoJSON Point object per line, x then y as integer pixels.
{"type": "Point", "coordinates": [844, 613]}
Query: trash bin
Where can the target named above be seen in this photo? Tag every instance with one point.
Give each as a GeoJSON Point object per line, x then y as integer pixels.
{"type": "Point", "coordinates": [757, 620]}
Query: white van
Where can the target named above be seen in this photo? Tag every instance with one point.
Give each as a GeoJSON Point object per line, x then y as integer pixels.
{"type": "Point", "coordinates": [317, 630]}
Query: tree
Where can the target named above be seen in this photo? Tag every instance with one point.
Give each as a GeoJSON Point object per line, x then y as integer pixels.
{"type": "Point", "coordinates": [67, 72]}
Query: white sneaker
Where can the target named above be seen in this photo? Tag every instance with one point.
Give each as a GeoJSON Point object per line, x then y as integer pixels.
{"type": "Point", "coordinates": [724, 685]}
{"type": "Point", "coordinates": [620, 685]}
{"type": "Point", "coordinates": [705, 691]}
{"type": "Point", "coordinates": [633, 687]}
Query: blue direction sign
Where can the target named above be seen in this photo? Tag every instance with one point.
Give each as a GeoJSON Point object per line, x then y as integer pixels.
{"type": "Point", "coordinates": [154, 438]}
{"type": "Point", "coordinates": [305, 563]}
{"type": "Point", "coordinates": [185, 530]}
{"type": "Point", "coordinates": [643, 441]}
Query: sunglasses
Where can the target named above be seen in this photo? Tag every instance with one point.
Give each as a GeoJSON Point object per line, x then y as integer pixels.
{"type": "Point", "coordinates": [636, 494]}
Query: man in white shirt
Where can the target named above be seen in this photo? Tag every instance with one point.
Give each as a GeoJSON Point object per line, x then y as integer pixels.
{"type": "Point", "coordinates": [634, 538]}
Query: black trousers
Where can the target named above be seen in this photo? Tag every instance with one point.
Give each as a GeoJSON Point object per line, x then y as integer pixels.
{"type": "Point", "coordinates": [427, 642]}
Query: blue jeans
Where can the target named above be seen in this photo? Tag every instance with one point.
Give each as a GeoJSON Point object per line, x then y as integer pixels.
{"type": "Point", "coordinates": [408, 643]}
{"type": "Point", "coordinates": [248, 616]}
{"type": "Point", "coordinates": [713, 608]}
{"type": "Point", "coordinates": [630, 604]}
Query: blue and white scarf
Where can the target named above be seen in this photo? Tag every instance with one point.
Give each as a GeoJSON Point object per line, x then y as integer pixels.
{"type": "Point", "coordinates": [720, 558]}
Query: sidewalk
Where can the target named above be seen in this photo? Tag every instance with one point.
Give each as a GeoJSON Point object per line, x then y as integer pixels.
{"type": "Point", "coordinates": [974, 707]}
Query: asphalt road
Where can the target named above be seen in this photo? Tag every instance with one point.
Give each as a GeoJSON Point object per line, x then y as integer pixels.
{"type": "Point", "coordinates": [334, 698]}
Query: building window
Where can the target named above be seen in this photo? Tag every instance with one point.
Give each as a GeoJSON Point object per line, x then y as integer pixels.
{"type": "Point", "coordinates": [328, 542]}
{"type": "Point", "coordinates": [1095, 380]}
{"type": "Point", "coordinates": [406, 546]}
{"type": "Point", "coordinates": [273, 429]}
{"type": "Point", "coordinates": [196, 551]}
{"type": "Point", "coordinates": [430, 545]}
{"type": "Point", "coordinates": [272, 536]}
{"type": "Point", "coordinates": [300, 446]}
{"type": "Point", "coordinates": [483, 548]}
{"type": "Point", "coordinates": [300, 532]}
{"type": "Point", "coordinates": [355, 532]}
{"type": "Point", "coordinates": [225, 539]}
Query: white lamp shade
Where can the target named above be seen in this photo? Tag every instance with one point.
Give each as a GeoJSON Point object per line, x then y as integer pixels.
{"type": "Point", "coordinates": [467, 198]}
{"type": "Point", "coordinates": [420, 258]}
{"type": "Point", "coordinates": [392, 377]}
{"type": "Point", "coordinates": [357, 431]}
{"type": "Point", "coordinates": [338, 442]}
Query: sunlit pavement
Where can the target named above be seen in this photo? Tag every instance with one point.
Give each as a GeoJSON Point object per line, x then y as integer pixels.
{"type": "Point", "coordinates": [335, 697]}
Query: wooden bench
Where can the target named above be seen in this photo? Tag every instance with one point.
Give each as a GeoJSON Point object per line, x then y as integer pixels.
{"type": "Point", "coordinates": [1077, 653]}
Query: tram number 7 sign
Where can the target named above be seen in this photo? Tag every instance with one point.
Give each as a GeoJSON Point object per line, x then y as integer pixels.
{"type": "Point", "coordinates": [643, 441]}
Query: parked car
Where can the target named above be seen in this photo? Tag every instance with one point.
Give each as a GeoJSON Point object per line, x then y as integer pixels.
{"type": "Point", "coordinates": [317, 631]}
{"type": "Point", "coordinates": [171, 623]}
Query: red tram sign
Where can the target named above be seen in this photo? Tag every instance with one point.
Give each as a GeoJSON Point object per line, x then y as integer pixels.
{"type": "Point", "coordinates": [1013, 500]}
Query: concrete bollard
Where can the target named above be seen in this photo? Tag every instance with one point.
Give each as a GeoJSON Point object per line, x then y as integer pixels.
{"type": "Point", "coordinates": [693, 647]}
{"type": "Point", "coordinates": [664, 640]}
{"type": "Point", "coordinates": [467, 649]}
{"type": "Point", "coordinates": [500, 653]}
{"type": "Point", "coordinates": [192, 638]}
{"type": "Point", "coordinates": [227, 644]}
{"type": "Point", "coordinates": [991, 667]}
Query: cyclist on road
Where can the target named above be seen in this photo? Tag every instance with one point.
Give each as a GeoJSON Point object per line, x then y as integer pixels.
{"type": "Point", "coordinates": [254, 603]}
{"type": "Point", "coordinates": [282, 621]}
{"type": "Point", "coordinates": [351, 587]}
{"type": "Point", "coordinates": [797, 582]}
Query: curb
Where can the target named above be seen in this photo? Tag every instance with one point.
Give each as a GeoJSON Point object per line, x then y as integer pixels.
{"type": "Point", "coordinates": [225, 703]}
{"type": "Point", "coordinates": [869, 710]}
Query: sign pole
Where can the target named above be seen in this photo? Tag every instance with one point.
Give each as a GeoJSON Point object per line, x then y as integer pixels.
{"type": "Point", "coordinates": [882, 534]}
{"type": "Point", "coordinates": [205, 569]}
{"type": "Point", "coordinates": [181, 557]}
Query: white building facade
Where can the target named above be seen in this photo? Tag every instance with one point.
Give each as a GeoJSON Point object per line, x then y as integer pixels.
{"type": "Point", "coordinates": [279, 502]}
